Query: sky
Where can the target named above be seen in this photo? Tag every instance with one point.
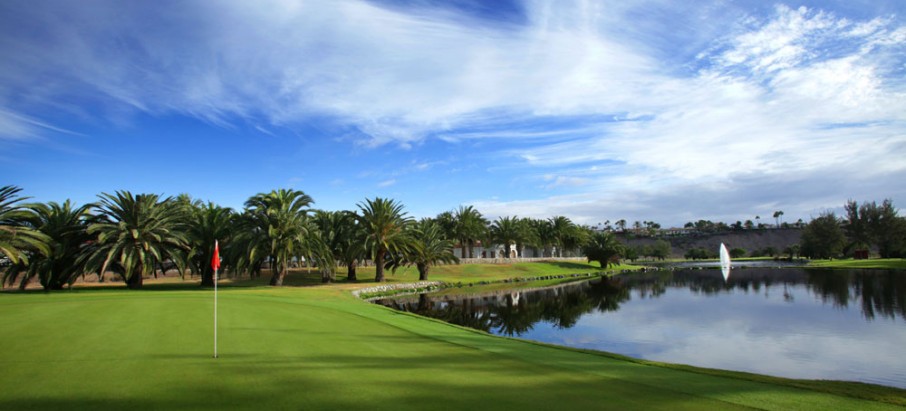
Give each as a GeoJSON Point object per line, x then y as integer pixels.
{"type": "Point", "coordinates": [596, 110]}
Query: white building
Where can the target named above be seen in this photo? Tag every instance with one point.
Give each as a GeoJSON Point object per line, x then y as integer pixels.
{"type": "Point", "coordinates": [480, 250]}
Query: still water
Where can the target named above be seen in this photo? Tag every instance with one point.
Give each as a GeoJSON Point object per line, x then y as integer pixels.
{"type": "Point", "coordinates": [791, 322]}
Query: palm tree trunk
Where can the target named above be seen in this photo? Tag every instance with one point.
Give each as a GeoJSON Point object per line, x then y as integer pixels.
{"type": "Point", "coordinates": [350, 271]}
{"type": "Point", "coordinates": [327, 275]}
{"type": "Point", "coordinates": [379, 267]}
{"type": "Point", "coordinates": [423, 302]}
{"type": "Point", "coordinates": [422, 271]}
{"type": "Point", "coordinates": [279, 273]}
{"type": "Point", "coordinates": [507, 250]}
{"type": "Point", "coordinates": [207, 277]}
{"type": "Point", "coordinates": [134, 282]}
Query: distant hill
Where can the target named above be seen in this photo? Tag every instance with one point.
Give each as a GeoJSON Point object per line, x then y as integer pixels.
{"type": "Point", "coordinates": [747, 239]}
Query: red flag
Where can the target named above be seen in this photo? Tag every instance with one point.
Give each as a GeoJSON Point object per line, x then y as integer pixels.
{"type": "Point", "coordinates": [215, 262]}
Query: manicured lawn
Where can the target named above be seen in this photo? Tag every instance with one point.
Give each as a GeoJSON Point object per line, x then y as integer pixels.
{"type": "Point", "coordinates": [456, 273]}
{"type": "Point", "coordinates": [881, 263]}
{"type": "Point", "coordinates": [320, 348]}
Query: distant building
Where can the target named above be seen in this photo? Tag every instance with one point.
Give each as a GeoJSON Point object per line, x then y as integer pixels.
{"type": "Point", "coordinates": [481, 250]}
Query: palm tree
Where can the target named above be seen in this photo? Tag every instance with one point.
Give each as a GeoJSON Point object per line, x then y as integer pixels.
{"type": "Point", "coordinates": [428, 248]}
{"type": "Point", "coordinates": [383, 221]}
{"type": "Point", "coordinates": [507, 231]}
{"type": "Point", "coordinates": [207, 224]}
{"type": "Point", "coordinates": [447, 222]}
{"type": "Point", "coordinates": [278, 228]}
{"type": "Point", "coordinates": [545, 235]}
{"type": "Point", "coordinates": [604, 248]}
{"type": "Point", "coordinates": [561, 229]}
{"type": "Point", "coordinates": [777, 216]}
{"type": "Point", "coordinates": [470, 227]}
{"type": "Point", "coordinates": [17, 237]}
{"type": "Point", "coordinates": [135, 235]}
{"type": "Point", "coordinates": [248, 250]}
{"type": "Point", "coordinates": [343, 236]}
{"type": "Point", "coordinates": [66, 228]}
{"type": "Point", "coordinates": [351, 243]}
{"type": "Point", "coordinates": [577, 238]}
{"type": "Point", "coordinates": [528, 236]}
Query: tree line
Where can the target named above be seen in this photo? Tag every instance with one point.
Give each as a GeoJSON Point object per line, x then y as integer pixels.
{"type": "Point", "coordinates": [866, 227]}
{"type": "Point", "coordinates": [137, 235]}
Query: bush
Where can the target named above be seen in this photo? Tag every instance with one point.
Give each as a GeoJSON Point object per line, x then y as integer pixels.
{"type": "Point", "coordinates": [698, 254]}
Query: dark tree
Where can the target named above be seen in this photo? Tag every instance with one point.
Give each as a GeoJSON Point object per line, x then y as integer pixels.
{"type": "Point", "coordinates": [604, 248]}
{"type": "Point", "coordinates": [823, 237]}
{"type": "Point", "coordinates": [737, 252]}
{"type": "Point", "coordinates": [660, 250]}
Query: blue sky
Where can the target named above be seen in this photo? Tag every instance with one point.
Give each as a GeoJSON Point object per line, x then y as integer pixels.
{"type": "Point", "coordinates": [597, 110]}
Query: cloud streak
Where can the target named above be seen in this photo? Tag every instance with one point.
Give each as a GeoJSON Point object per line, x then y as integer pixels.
{"type": "Point", "coordinates": [585, 95]}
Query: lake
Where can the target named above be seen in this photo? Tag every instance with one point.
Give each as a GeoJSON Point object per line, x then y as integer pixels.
{"type": "Point", "coordinates": [790, 322]}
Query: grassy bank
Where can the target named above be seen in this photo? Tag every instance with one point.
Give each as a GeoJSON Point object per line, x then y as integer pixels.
{"type": "Point", "coordinates": [878, 263]}
{"type": "Point", "coordinates": [456, 273]}
{"type": "Point", "coordinates": [319, 347]}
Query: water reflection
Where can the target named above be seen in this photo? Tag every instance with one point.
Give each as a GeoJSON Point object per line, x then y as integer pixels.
{"type": "Point", "coordinates": [830, 324]}
{"type": "Point", "coordinates": [875, 292]}
{"type": "Point", "coordinates": [516, 312]}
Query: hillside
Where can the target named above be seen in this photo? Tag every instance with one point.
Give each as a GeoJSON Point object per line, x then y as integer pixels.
{"type": "Point", "coordinates": [747, 239]}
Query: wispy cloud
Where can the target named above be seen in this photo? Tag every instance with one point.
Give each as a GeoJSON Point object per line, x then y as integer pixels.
{"type": "Point", "coordinates": [595, 95]}
{"type": "Point", "coordinates": [387, 183]}
{"type": "Point", "coordinates": [21, 127]}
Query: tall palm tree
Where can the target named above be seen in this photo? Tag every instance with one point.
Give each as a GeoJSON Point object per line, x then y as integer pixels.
{"type": "Point", "coordinates": [579, 236]}
{"type": "Point", "coordinates": [17, 237]}
{"type": "Point", "coordinates": [528, 236]}
{"type": "Point", "coordinates": [428, 248]}
{"type": "Point", "coordinates": [507, 231]}
{"type": "Point", "coordinates": [562, 229]}
{"type": "Point", "coordinates": [248, 250]}
{"type": "Point", "coordinates": [604, 248]}
{"type": "Point", "coordinates": [279, 228]}
{"type": "Point", "coordinates": [136, 234]}
{"type": "Point", "coordinates": [66, 228]}
{"type": "Point", "coordinates": [383, 222]}
{"type": "Point", "coordinates": [447, 222]}
{"type": "Point", "coordinates": [545, 232]}
{"type": "Point", "coordinates": [342, 234]}
{"type": "Point", "coordinates": [207, 224]}
{"type": "Point", "coordinates": [470, 227]}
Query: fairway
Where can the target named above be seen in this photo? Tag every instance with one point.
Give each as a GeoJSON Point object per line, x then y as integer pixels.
{"type": "Point", "coordinates": [320, 348]}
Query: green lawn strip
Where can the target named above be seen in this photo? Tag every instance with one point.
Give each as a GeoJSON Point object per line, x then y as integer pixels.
{"type": "Point", "coordinates": [879, 263]}
{"type": "Point", "coordinates": [453, 273]}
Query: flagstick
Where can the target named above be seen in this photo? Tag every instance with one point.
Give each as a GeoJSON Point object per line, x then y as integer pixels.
{"type": "Point", "coordinates": [215, 264]}
{"type": "Point", "coordinates": [215, 313]}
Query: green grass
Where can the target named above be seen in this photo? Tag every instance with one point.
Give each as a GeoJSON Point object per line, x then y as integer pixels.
{"type": "Point", "coordinates": [455, 273]}
{"type": "Point", "coordinates": [878, 263]}
{"type": "Point", "coordinates": [320, 348]}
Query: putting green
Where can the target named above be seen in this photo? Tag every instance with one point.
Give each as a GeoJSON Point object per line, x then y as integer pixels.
{"type": "Point", "coordinates": [320, 348]}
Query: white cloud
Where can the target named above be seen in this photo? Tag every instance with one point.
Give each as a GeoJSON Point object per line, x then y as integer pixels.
{"type": "Point", "coordinates": [797, 92]}
{"type": "Point", "coordinates": [15, 126]}
{"type": "Point", "coordinates": [387, 183]}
